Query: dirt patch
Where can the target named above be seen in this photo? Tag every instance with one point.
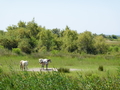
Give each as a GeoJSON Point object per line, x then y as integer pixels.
{"type": "Point", "coordinates": [49, 69]}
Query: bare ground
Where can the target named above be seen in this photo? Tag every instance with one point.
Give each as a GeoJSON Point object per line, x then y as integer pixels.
{"type": "Point", "coordinates": [49, 69]}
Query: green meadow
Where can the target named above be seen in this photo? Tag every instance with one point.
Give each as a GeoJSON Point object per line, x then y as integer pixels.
{"type": "Point", "coordinates": [84, 63]}
{"type": "Point", "coordinates": [88, 77]}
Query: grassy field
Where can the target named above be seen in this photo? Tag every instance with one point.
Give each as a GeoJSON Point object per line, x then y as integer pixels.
{"type": "Point", "coordinates": [88, 78]}
{"type": "Point", "coordinates": [86, 64]}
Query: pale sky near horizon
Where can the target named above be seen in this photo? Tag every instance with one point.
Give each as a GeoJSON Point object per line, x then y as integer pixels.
{"type": "Point", "coordinates": [96, 16]}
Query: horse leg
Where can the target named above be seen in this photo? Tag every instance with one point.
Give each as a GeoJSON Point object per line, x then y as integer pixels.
{"type": "Point", "coordinates": [20, 65]}
{"type": "Point", "coordinates": [24, 67]}
{"type": "Point", "coordinates": [42, 66]}
{"type": "Point", "coordinates": [46, 66]}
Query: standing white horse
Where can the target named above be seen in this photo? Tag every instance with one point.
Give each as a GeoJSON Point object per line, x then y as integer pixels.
{"type": "Point", "coordinates": [23, 65]}
{"type": "Point", "coordinates": [44, 62]}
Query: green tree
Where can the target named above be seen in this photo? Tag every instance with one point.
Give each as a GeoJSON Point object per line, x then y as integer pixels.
{"type": "Point", "coordinates": [2, 32]}
{"type": "Point", "coordinates": [56, 31]}
{"type": "Point", "coordinates": [8, 42]}
{"type": "Point", "coordinates": [13, 27]}
{"type": "Point", "coordinates": [103, 35]}
{"type": "Point", "coordinates": [18, 34]}
{"type": "Point", "coordinates": [21, 34]}
{"type": "Point", "coordinates": [100, 45]}
{"type": "Point", "coordinates": [25, 46]}
{"type": "Point", "coordinates": [69, 38]}
{"type": "Point", "coordinates": [114, 36]}
{"type": "Point", "coordinates": [21, 24]}
{"type": "Point", "coordinates": [46, 39]}
{"type": "Point", "coordinates": [32, 28]}
{"type": "Point", "coordinates": [85, 42]}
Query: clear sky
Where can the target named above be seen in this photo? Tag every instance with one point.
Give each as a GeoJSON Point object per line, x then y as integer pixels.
{"type": "Point", "coordinates": [97, 16]}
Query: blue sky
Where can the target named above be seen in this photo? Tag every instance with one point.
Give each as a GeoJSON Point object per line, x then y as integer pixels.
{"type": "Point", "coordinates": [96, 16]}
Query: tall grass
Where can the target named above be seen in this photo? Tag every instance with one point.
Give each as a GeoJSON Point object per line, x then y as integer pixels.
{"type": "Point", "coordinates": [36, 81]}
{"type": "Point", "coordinates": [56, 81]}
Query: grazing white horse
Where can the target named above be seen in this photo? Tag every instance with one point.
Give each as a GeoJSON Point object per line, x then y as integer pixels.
{"type": "Point", "coordinates": [23, 65]}
{"type": "Point", "coordinates": [44, 62]}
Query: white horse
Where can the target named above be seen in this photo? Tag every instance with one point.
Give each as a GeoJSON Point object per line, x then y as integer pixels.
{"type": "Point", "coordinates": [44, 62]}
{"type": "Point", "coordinates": [23, 65]}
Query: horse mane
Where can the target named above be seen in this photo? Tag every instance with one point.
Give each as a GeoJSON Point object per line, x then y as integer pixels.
{"type": "Point", "coordinates": [48, 60]}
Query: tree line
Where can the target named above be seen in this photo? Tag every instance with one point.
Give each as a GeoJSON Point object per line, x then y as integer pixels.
{"type": "Point", "coordinates": [30, 37]}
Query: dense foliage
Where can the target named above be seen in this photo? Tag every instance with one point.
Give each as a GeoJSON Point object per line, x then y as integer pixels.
{"type": "Point", "coordinates": [55, 81]}
{"type": "Point", "coordinates": [30, 37]}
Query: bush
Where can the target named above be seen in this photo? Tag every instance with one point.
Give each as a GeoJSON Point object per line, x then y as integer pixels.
{"type": "Point", "coordinates": [100, 68]}
{"type": "Point", "coordinates": [64, 70]}
{"type": "Point", "coordinates": [16, 50]}
{"type": "Point", "coordinates": [116, 48]}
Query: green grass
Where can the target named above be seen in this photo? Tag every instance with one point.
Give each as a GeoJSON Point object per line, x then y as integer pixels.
{"type": "Point", "coordinates": [15, 80]}
{"type": "Point", "coordinates": [89, 77]}
{"type": "Point", "coordinates": [86, 64]}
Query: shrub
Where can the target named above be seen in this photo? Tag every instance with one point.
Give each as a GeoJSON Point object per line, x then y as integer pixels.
{"type": "Point", "coordinates": [64, 70]}
{"type": "Point", "coordinates": [16, 50]}
{"type": "Point", "coordinates": [100, 68]}
{"type": "Point", "coordinates": [116, 48]}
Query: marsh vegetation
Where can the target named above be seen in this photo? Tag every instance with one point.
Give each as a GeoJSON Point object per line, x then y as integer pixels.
{"type": "Point", "coordinates": [96, 56]}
